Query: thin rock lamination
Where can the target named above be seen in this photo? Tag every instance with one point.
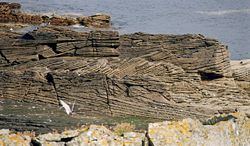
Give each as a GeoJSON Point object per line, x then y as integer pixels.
{"type": "Point", "coordinates": [107, 74]}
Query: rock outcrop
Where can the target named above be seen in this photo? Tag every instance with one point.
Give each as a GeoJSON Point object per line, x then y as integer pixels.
{"type": "Point", "coordinates": [241, 73]}
{"type": "Point", "coordinates": [241, 70]}
{"type": "Point", "coordinates": [159, 76]}
{"type": "Point", "coordinates": [224, 130]}
{"type": "Point", "coordinates": [229, 132]}
{"type": "Point", "coordinates": [11, 12]}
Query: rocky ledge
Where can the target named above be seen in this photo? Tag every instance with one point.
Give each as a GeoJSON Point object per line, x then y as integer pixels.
{"type": "Point", "coordinates": [11, 12]}
{"type": "Point", "coordinates": [103, 73]}
{"type": "Point", "coordinates": [222, 130]}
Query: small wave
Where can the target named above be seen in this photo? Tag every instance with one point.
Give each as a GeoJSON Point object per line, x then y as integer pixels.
{"type": "Point", "coordinates": [224, 12]}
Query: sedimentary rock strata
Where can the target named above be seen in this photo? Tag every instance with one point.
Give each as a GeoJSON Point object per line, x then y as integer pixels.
{"type": "Point", "coordinates": [241, 73]}
{"type": "Point", "coordinates": [159, 76]}
{"type": "Point", "coordinates": [11, 12]}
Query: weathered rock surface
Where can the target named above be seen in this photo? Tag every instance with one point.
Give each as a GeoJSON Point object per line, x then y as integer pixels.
{"type": "Point", "coordinates": [230, 132]}
{"type": "Point", "coordinates": [98, 21]}
{"type": "Point", "coordinates": [159, 76]}
{"type": "Point", "coordinates": [241, 70]}
{"type": "Point", "coordinates": [241, 73]}
{"type": "Point", "coordinates": [11, 139]}
{"type": "Point", "coordinates": [11, 12]}
{"type": "Point", "coordinates": [222, 130]}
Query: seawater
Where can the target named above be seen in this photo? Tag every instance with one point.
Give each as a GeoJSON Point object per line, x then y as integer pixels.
{"type": "Point", "coordinates": [226, 20]}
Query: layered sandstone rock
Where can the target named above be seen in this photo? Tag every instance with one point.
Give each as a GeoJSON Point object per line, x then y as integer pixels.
{"type": "Point", "coordinates": [11, 12]}
{"type": "Point", "coordinates": [241, 73]}
{"type": "Point", "coordinates": [164, 76]}
{"type": "Point", "coordinates": [241, 70]}
{"type": "Point", "coordinates": [158, 76]}
{"type": "Point", "coordinates": [98, 21]}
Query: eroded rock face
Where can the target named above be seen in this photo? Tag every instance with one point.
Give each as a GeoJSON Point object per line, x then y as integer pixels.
{"type": "Point", "coordinates": [158, 76]}
{"type": "Point", "coordinates": [11, 12]}
{"type": "Point", "coordinates": [241, 70]}
{"type": "Point", "coordinates": [241, 73]}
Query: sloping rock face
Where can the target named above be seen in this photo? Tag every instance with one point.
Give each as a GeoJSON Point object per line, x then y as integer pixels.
{"type": "Point", "coordinates": [11, 12]}
{"type": "Point", "coordinates": [159, 76]}
{"type": "Point", "coordinates": [241, 70]}
{"type": "Point", "coordinates": [222, 130]}
{"type": "Point", "coordinates": [241, 73]}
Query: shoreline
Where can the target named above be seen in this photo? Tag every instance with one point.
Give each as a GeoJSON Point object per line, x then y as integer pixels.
{"type": "Point", "coordinates": [53, 77]}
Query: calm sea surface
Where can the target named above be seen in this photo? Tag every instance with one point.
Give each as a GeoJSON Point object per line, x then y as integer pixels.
{"type": "Point", "coordinates": [225, 20]}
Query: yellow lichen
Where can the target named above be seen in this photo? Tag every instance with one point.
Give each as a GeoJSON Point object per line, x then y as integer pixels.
{"type": "Point", "coordinates": [184, 128]}
{"type": "Point", "coordinates": [48, 144]}
{"type": "Point", "coordinates": [168, 140]}
{"type": "Point", "coordinates": [17, 139]}
{"type": "Point", "coordinates": [1, 143]}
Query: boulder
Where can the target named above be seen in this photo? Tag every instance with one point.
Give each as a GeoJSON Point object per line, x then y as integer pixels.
{"type": "Point", "coordinates": [230, 132]}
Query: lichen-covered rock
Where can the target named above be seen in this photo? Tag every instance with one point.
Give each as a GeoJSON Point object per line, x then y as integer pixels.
{"type": "Point", "coordinates": [134, 139]}
{"type": "Point", "coordinates": [97, 135]}
{"type": "Point", "coordinates": [9, 139]}
{"type": "Point", "coordinates": [223, 130]}
{"type": "Point", "coordinates": [191, 132]}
